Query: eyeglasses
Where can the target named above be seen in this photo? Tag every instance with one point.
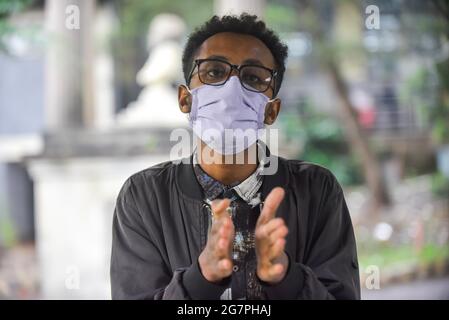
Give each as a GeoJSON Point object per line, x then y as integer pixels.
{"type": "Point", "coordinates": [216, 72]}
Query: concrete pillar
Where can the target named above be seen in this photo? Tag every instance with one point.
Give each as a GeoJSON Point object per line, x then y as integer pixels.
{"type": "Point", "coordinates": [68, 72]}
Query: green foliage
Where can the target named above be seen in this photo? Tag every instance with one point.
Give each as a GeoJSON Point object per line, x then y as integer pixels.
{"type": "Point", "coordinates": [428, 89]}
{"type": "Point", "coordinates": [431, 253]}
{"type": "Point", "coordinates": [7, 231]}
{"type": "Point", "coordinates": [440, 185]}
{"type": "Point", "coordinates": [390, 256]}
{"type": "Point", "coordinates": [8, 8]}
{"type": "Point", "coordinates": [281, 18]}
{"type": "Point", "coordinates": [323, 143]}
{"type": "Point", "coordinates": [428, 92]}
{"type": "Point", "coordinates": [440, 113]}
{"type": "Point", "coordinates": [418, 91]}
{"type": "Point", "coordinates": [136, 15]}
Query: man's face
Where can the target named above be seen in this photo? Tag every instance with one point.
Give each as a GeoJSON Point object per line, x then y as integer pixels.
{"type": "Point", "coordinates": [237, 49]}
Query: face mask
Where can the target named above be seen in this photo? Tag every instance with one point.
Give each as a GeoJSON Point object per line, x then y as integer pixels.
{"type": "Point", "coordinates": [228, 117]}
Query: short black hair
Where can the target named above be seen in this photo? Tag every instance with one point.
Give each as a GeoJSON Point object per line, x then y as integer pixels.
{"type": "Point", "coordinates": [243, 24]}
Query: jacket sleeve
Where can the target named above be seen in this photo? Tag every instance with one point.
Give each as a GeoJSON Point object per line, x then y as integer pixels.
{"type": "Point", "coordinates": [138, 270]}
{"type": "Point", "coordinates": [330, 267]}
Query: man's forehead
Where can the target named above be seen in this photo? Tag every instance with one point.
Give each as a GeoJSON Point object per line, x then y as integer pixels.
{"type": "Point", "coordinates": [236, 48]}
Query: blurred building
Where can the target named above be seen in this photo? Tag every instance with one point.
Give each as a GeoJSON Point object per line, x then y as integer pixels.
{"type": "Point", "coordinates": [72, 130]}
{"type": "Point", "coordinates": [64, 155]}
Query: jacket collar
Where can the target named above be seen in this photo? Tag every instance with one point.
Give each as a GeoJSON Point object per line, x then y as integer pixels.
{"type": "Point", "coordinates": [246, 189]}
{"type": "Point", "coordinates": [188, 184]}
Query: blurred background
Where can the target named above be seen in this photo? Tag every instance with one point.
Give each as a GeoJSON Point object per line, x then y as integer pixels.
{"type": "Point", "coordinates": [88, 97]}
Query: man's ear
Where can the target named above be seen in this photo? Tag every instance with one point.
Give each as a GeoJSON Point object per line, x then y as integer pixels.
{"type": "Point", "coordinates": [272, 111]}
{"type": "Point", "coordinates": [184, 99]}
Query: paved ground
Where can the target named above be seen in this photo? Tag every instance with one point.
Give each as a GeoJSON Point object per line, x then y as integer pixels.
{"type": "Point", "coordinates": [431, 289]}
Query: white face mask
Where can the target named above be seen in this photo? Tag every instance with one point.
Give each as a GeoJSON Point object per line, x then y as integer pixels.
{"type": "Point", "coordinates": [228, 118]}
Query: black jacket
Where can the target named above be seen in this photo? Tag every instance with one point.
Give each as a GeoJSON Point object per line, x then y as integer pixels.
{"type": "Point", "coordinates": [160, 228]}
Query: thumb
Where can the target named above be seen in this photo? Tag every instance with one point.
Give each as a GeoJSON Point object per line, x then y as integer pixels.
{"type": "Point", "coordinates": [270, 205]}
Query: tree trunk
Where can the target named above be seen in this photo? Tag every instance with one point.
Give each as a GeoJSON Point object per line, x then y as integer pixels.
{"type": "Point", "coordinates": [357, 140]}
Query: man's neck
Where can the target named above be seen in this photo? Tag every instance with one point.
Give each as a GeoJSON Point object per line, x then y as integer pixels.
{"type": "Point", "coordinates": [227, 169]}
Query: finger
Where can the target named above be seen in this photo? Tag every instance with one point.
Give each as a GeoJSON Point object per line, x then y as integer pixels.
{"type": "Point", "coordinates": [224, 242]}
{"type": "Point", "coordinates": [278, 233]}
{"type": "Point", "coordinates": [270, 205]}
{"type": "Point", "coordinates": [265, 230]}
{"type": "Point", "coordinates": [226, 239]}
{"type": "Point", "coordinates": [225, 228]}
{"type": "Point", "coordinates": [224, 224]}
{"type": "Point", "coordinates": [276, 270]}
{"type": "Point", "coordinates": [217, 227]}
{"type": "Point", "coordinates": [223, 221]}
{"type": "Point", "coordinates": [225, 267]}
{"type": "Point", "coordinates": [219, 207]}
{"type": "Point", "coordinates": [276, 249]}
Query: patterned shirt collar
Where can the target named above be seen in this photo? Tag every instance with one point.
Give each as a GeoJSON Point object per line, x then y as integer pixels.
{"type": "Point", "coordinates": [247, 189]}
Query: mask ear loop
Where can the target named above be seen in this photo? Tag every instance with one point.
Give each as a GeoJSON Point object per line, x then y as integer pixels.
{"type": "Point", "coordinates": [191, 98]}
{"type": "Point", "coordinates": [263, 116]}
{"type": "Point", "coordinates": [271, 100]}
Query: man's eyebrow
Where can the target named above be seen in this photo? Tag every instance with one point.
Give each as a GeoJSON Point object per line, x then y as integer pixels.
{"type": "Point", "coordinates": [218, 57]}
{"type": "Point", "coordinates": [253, 61]}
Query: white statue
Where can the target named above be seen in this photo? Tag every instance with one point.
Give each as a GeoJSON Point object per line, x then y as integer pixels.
{"type": "Point", "coordinates": [157, 104]}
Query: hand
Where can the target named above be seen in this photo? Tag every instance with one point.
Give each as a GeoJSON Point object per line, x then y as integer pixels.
{"type": "Point", "coordinates": [215, 260]}
{"type": "Point", "coordinates": [270, 233]}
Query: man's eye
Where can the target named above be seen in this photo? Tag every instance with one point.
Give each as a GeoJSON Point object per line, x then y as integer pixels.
{"type": "Point", "coordinates": [252, 78]}
{"type": "Point", "coordinates": [215, 73]}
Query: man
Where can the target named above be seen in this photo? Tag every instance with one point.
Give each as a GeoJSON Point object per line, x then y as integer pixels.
{"type": "Point", "coordinates": [210, 229]}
